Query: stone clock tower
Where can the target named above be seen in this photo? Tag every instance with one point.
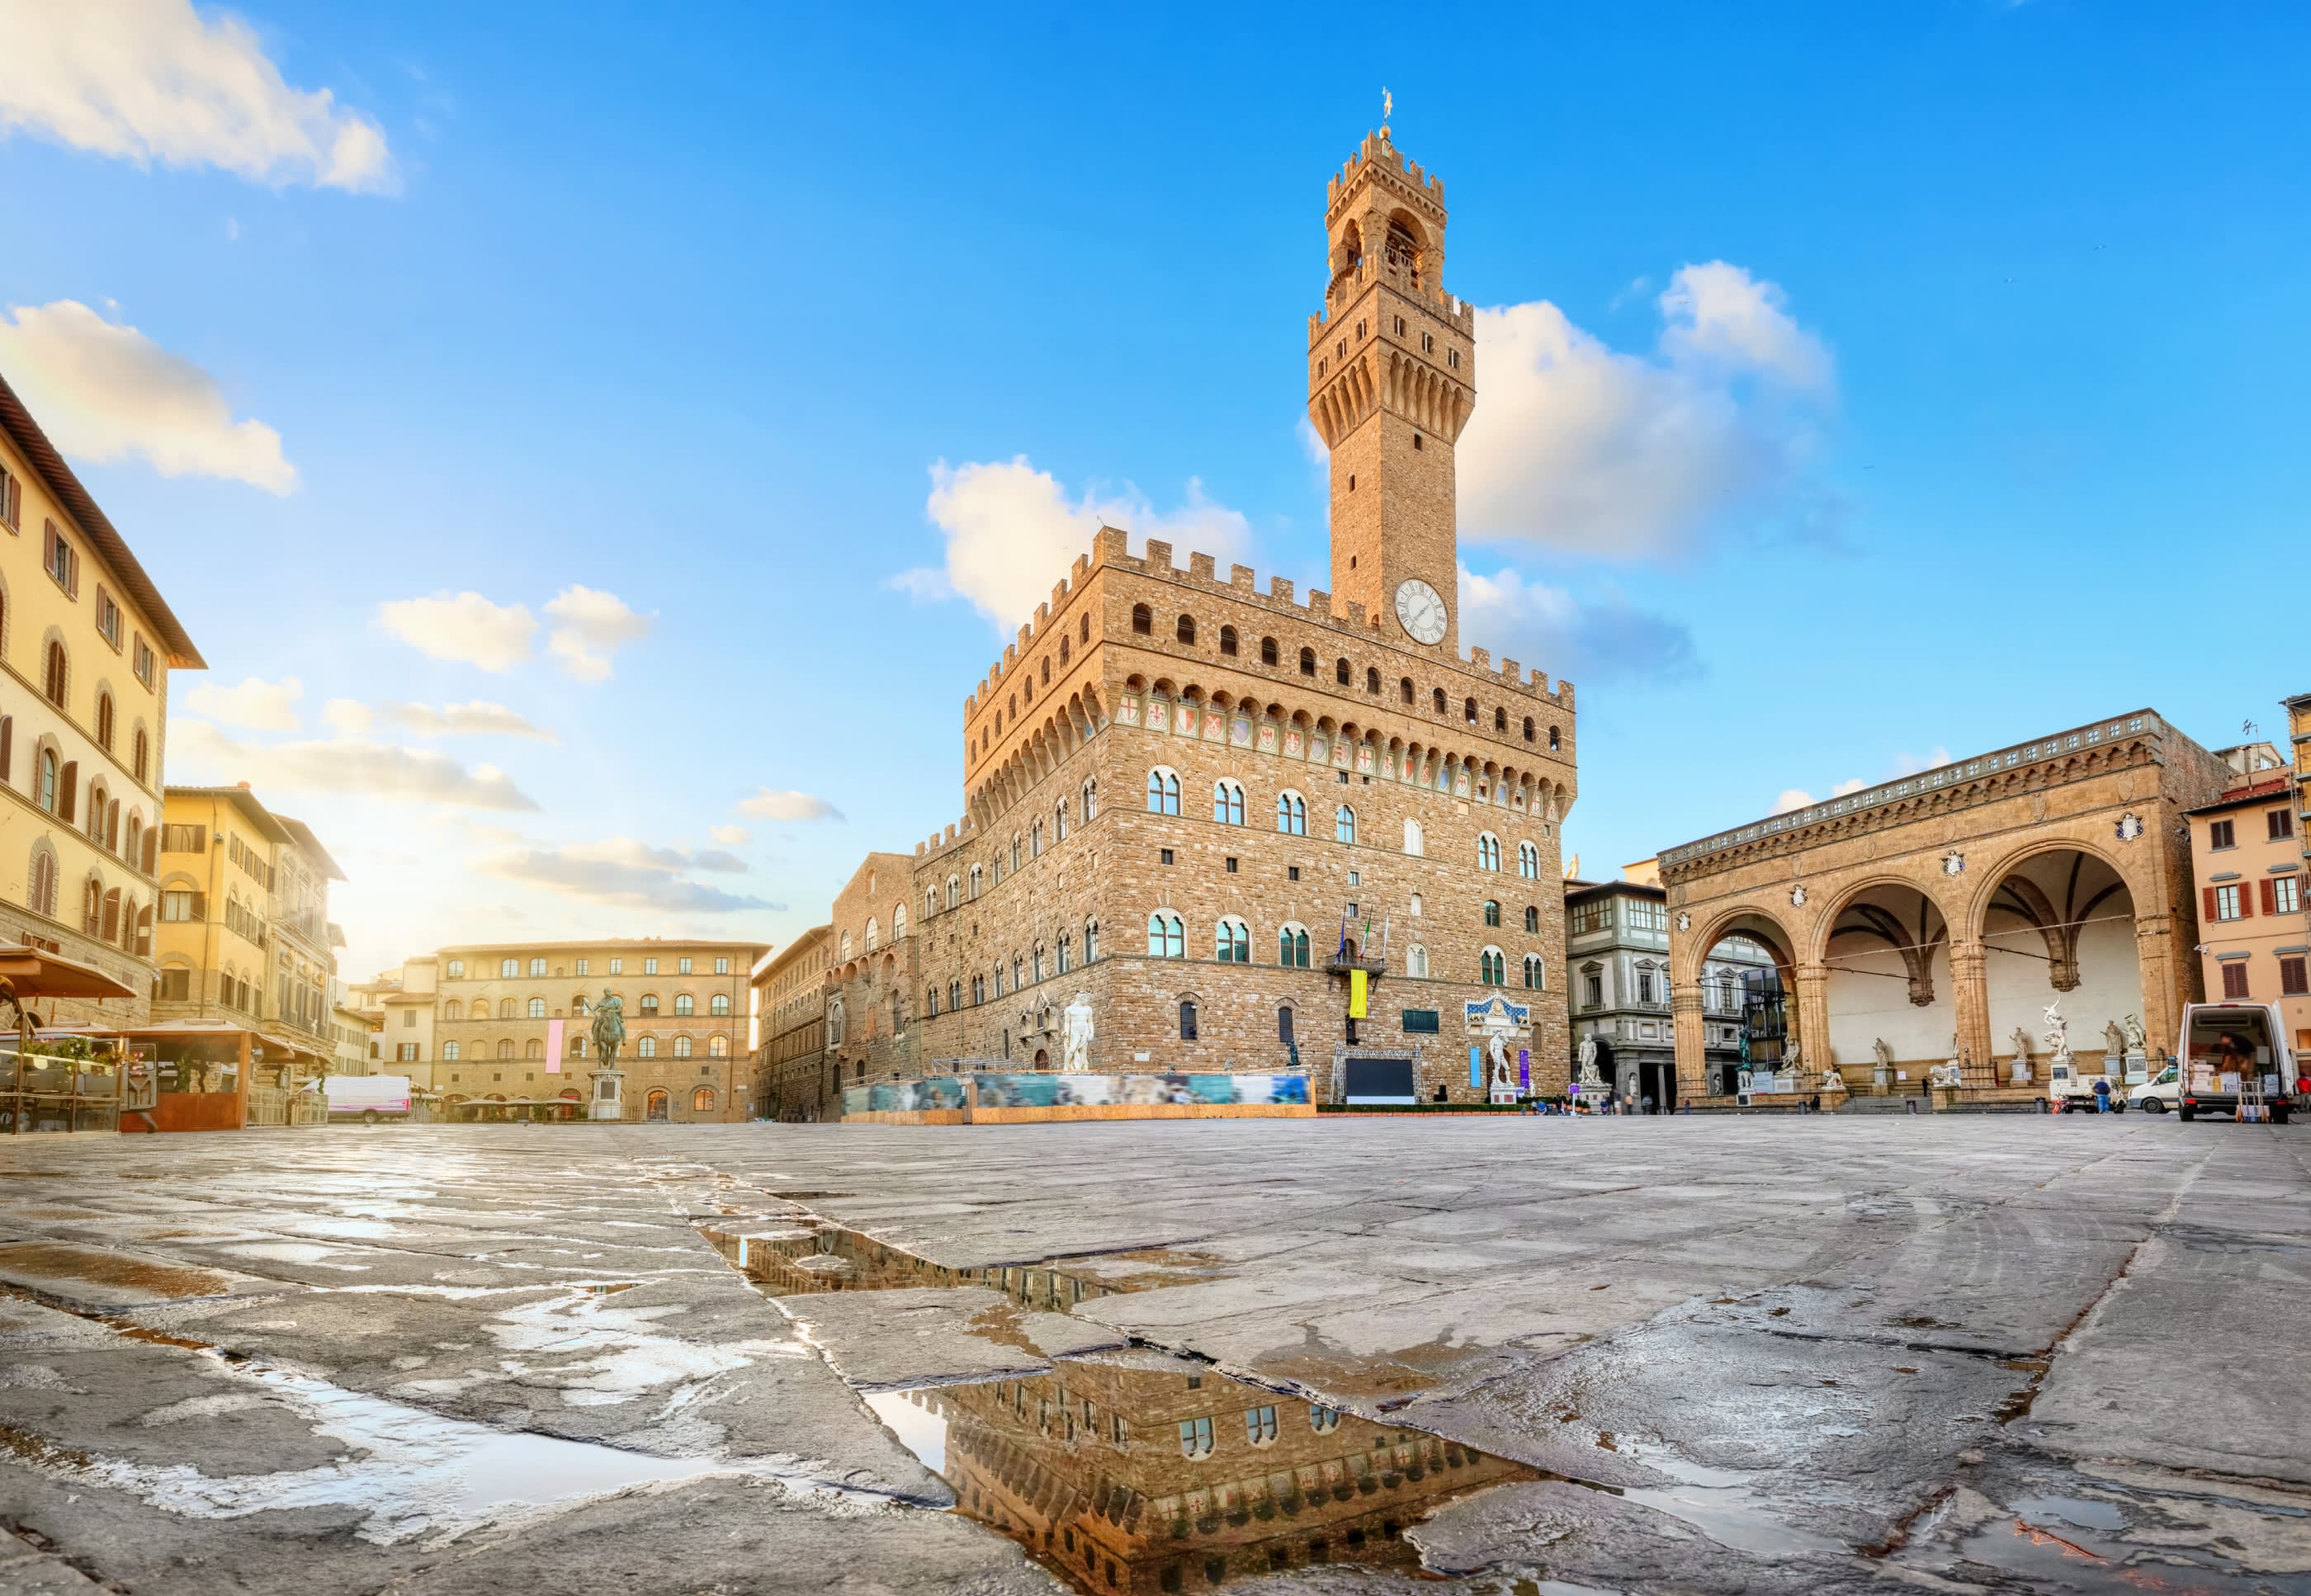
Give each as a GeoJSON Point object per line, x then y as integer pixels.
{"type": "Point", "coordinates": [1391, 380]}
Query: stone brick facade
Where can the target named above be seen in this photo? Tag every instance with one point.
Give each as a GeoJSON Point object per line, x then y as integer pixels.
{"type": "Point", "coordinates": [1161, 753]}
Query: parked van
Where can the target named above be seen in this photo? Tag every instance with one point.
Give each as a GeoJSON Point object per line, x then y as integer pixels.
{"type": "Point", "coordinates": [2070, 1090]}
{"type": "Point", "coordinates": [2157, 1095]}
{"type": "Point", "coordinates": [367, 1098]}
{"type": "Point", "coordinates": [2225, 1047]}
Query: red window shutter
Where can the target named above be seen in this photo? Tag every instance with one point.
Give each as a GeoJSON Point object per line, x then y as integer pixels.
{"type": "Point", "coordinates": [2269, 898]}
{"type": "Point", "coordinates": [2246, 901]}
{"type": "Point", "coordinates": [2210, 916]}
{"type": "Point", "coordinates": [68, 791]}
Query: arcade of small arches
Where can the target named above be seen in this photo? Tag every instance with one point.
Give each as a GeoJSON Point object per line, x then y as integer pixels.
{"type": "Point", "coordinates": [1958, 971]}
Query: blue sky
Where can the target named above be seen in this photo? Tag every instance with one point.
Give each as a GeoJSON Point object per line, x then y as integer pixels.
{"type": "Point", "coordinates": [1857, 383]}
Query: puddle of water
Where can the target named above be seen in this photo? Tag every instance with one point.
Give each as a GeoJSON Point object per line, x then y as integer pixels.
{"type": "Point", "coordinates": [2070, 1510]}
{"type": "Point", "coordinates": [52, 1265]}
{"type": "Point", "coordinates": [1140, 1471]}
{"type": "Point", "coordinates": [808, 1258]}
{"type": "Point", "coordinates": [1724, 1504]}
{"type": "Point", "coordinates": [305, 1252]}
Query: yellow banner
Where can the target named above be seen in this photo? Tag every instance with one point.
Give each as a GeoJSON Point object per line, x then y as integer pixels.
{"type": "Point", "coordinates": [1357, 994]}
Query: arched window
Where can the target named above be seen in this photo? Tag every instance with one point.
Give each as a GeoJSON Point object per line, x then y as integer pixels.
{"type": "Point", "coordinates": [537, 1008]}
{"type": "Point", "coordinates": [505, 1048]}
{"type": "Point", "coordinates": [1437, 698]}
{"type": "Point", "coordinates": [931, 902]}
{"type": "Point", "coordinates": [1067, 953]}
{"type": "Point", "coordinates": [681, 1047]}
{"type": "Point", "coordinates": [1234, 941]}
{"type": "Point", "coordinates": [1469, 710]}
{"type": "Point", "coordinates": [1492, 911]}
{"type": "Point", "coordinates": [1035, 961]}
{"type": "Point", "coordinates": [1267, 651]}
{"type": "Point", "coordinates": [1142, 622]}
{"type": "Point", "coordinates": [578, 1005]}
{"type": "Point", "coordinates": [1343, 825]}
{"type": "Point", "coordinates": [647, 1048]}
{"type": "Point", "coordinates": [533, 1049]}
{"type": "Point", "coordinates": [1091, 942]}
{"type": "Point", "coordinates": [1534, 980]}
{"type": "Point", "coordinates": [1186, 630]}
{"type": "Point", "coordinates": [54, 683]}
{"type": "Point", "coordinates": [505, 1009]}
{"type": "Point", "coordinates": [1493, 968]}
{"type": "Point", "coordinates": [953, 891]}
{"type": "Point", "coordinates": [1292, 946]}
{"type": "Point", "coordinates": [1488, 851]}
{"type": "Point", "coordinates": [1290, 813]}
{"type": "Point", "coordinates": [720, 1004]}
{"type": "Point", "coordinates": [873, 937]}
{"type": "Point", "coordinates": [898, 921]}
{"type": "Point", "coordinates": [1533, 918]}
{"type": "Point", "coordinates": [1528, 728]}
{"type": "Point", "coordinates": [104, 720]}
{"type": "Point", "coordinates": [1227, 641]}
{"type": "Point", "coordinates": [1412, 839]}
{"type": "Point", "coordinates": [702, 1101]}
{"type": "Point", "coordinates": [144, 746]}
{"type": "Point", "coordinates": [1163, 791]}
{"type": "Point", "coordinates": [449, 1051]}
{"type": "Point", "coordinates": [1340, 672]}
{"type": "Point", "coordinates": [577, 1045]}
{"type": "Point", "coordinates": [649, 999]}
{"type": "Point", "coordinates": [718, 1047]}
{"type": "Point", "coordinates": [1552, 739]}
{"type": "Point", "coordinates": [846, 936]}
{"type": "Point", "coordinates": [1090, 800]}
{"type": "Point", "coordinates": [1059, 821]}
{"type": "Point", "coordinates": [1187, 1019]}
{"type": "Point", "coordinates": [1404, 687]}
{"type": "Point", "coordinates": [1165, 937]}
{"type": "Point", "coordinates": [1416, 961]}
{"type": "Point", "coordinates": [1227, 802]}
{"type": "Point", "coordinates": [1528, 861]}
{"type": "Point", "coordinates": [134, 850]}
{"type": "Point", "coordinates": [1307, 662]}
{"type": "Point", "coordinates": [684, 1003]}
{"type": "Point", "coordinates": [453, 1010]}
{"type": "Point", "coordinates": [1500, 719]}
{"type": "Point", "coordinates": [977, 886]}
{"type": "Point", "coordinates": [44, 882]}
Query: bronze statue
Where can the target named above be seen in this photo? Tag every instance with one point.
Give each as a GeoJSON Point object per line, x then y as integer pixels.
{"type": "Point", "coordinates": [609, 1029]}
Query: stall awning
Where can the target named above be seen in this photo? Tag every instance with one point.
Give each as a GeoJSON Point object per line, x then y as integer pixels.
{"type": "Point", "coordinates": [32, 973]}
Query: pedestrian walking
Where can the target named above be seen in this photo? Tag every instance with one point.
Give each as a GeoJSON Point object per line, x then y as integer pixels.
{"type": "Point", "coordinates": [1648, 1102]}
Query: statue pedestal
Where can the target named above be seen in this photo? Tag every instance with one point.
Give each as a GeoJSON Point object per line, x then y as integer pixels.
{"type": "Point", "coordinates": [2018, 1072]}
{"type": "Point", "coordinates": [609, 1102]}
{"type": "Point", "coordinates": [2135, 1067]}
{"type": "Point", "coordinates": [1501, 1093]}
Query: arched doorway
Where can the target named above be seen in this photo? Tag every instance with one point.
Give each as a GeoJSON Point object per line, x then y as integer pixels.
{"type": "Point", "coordinates": [1739, 1009]}
{"type": "Point", "coordinates": [2058, 928]}
{"type": "Point", "coordinates": [1891, 997]}
{"type": "Point", "coordinates": [654, 1106]}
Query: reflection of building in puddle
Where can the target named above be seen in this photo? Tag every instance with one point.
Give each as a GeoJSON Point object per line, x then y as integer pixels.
{"type": "Point", "coordinates": [806, 1259]}
{"type": "Point", "coordinates": [1141, 1472]}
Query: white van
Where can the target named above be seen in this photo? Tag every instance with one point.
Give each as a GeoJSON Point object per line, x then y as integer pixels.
{"type": "Point", "coordinates": [367, 1098]}
{"type": "Point", "coordinates": [2157, 1095]}
{"type": "Point", "coordinates": [2069, 1090]}
{"type": "Point", "coordinates": [2224, 1045]}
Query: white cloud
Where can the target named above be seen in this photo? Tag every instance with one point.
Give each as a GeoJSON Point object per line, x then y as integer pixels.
{"type": "Point", "coordinates": [348, 718]}
{"type": "Point", "coordinates": [1791, 798]}
{"type": "Point", "coordinates": [767, 805]}
{"type": "Point", "coordinates": [265, 706]}
{"type": "Point", "coordinates": [349, 765]}
{"type": "Point", "coordinates": [154, 80]}
{"type": "Point", "coordinates": [1910, 765]}
{"type": "Point", "coordinates": [477, 719]}
{"type": "Point", "coordinates": [730, 836]}
{"type": "Point", "coordinates": [1600, 638]}
{"type": "Point", "coordinates": [1852, 784]}
{"type": "Point", "coordinates": [623, 872]}
{"type": "Point", "coordinates": [104, 391]}
{"type": "Point", "coordinates": [1586, 448]}
{"type": "Point", "coordinates": [463, 627]}
{"type": "Point", "coordinates": [591, 626]}
{"type": "Point", "coordinates": [1012, 531]}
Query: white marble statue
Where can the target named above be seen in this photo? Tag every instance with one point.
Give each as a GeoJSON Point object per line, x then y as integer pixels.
{"type": "Point", "coordinates": [2114, 1045]}
{"type": "Point", "coordinates": [1882, 1051]}
{"type": "Point", "coordinates": [2134, 1038]}
{"type": "Point", "coordinates": [1077, 1056]}
{"type": "Point", "coordinates": [2058, 1033]}
{"type": "Point", "coordinates": [2021, 1040]}
{"type": "Point", "coordinates": [1498, 1051]}
{"type": "Point", "coordinates": [1591, 1081]}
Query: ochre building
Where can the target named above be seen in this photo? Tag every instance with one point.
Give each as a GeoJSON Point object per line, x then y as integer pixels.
{"type": "Point", "coordinates": [86, 645]}
{"type": "Point", "coordinates": [1932, 920]}
{"type": "Point", "coordinates": [2247, 853]}
{"type": "Point", "coordinates": [1203, 803]}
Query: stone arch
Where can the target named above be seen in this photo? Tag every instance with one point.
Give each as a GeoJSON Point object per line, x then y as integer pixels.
{"type": "Point", "coordinates": [2061, 921]}
{"type": "Point", "coordinates": [1884, 946]}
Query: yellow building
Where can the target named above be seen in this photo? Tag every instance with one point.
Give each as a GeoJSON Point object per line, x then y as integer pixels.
{"type": "Point", "coordinates": [510, 1023]}
{"type": "Point", "coordinates": [244, 933]}
{"type": "Point", "coordinates": [89, 643]}
{"type": "Point", "coordinates": [398, 1006]}
{"type": "Point", "coordinates": [790, 1030]}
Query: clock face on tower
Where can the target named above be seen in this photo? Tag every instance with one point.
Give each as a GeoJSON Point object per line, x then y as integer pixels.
{"type": "Point", "coordinates": [1420, 611]}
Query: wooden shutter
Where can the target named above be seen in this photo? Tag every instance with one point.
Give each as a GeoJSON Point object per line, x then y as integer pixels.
{"type": "Point", "coordinates": [7, 742]}
{"type": "Point", "coordinates": [49, 547]}
{"type": "Point", "coordinates": [72, 570]}
{"type": "Point", "coordinates": [200, 905]}
{"type": "Point", "coordinates": [2270, 897]}
{"type": "Point", "coordinates": [2210, 916]}
{"type": "Point", "coordinates": [152, 836]}
{"type": "Point", "coordinates": [2246, 901]}
{"type": "Point", "coordinates": [67, 793]}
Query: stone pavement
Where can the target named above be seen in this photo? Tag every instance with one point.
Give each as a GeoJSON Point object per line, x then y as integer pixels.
{"type": "Point", "coordinates": [1706, 1354]}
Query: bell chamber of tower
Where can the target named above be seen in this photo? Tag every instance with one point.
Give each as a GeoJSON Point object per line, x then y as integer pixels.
{"type": "Point", "coordinates": [1391, 380]}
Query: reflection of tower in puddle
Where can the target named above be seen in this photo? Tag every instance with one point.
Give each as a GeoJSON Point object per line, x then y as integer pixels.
{"type": "Point", "coordinates": [811, 1258]}
{"type": "Point", "coordinates": [1141, 1472]}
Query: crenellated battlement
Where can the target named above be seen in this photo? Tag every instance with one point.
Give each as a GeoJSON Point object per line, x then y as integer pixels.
{"type": "Point", "coordinates": [1458, 314]}
{"type": "Point", "coordinates": [1379, 153]}
{"type": "Point", "coordinates": [1108, 551]}
{"type": "Point", "coordinates": [938, 843]}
